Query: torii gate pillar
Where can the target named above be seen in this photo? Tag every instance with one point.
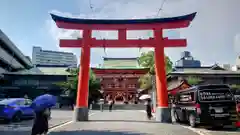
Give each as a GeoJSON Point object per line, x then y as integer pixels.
{"type": "Point", "coordinates": [81, 109]}
{"type": "Point", "coordinates": [163, 112]}
{"type": "Point", "coordinates": [158, 42]}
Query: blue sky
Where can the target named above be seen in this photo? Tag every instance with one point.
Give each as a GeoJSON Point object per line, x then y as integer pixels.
{"type": "Point", "coordinates": [214, 35]}
{"type": "Point", "coordinates": [25, 21]}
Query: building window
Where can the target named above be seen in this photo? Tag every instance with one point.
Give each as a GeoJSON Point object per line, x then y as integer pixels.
{"type": "Point", "coordinates": [117, 86]}
{"type": "Point", "coordinates": [132, 86]}
{"type": "Point", "coordinates": [109, 85]}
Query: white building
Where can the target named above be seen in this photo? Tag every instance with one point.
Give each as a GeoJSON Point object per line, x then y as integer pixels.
{"type": "Point", "coordinates": [47, 57]}
{"type": "Point", "coordinates": [236, 67]}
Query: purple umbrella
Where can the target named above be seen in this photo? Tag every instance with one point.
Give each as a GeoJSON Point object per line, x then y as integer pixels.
{"type": "Point", "coordinates": [44, 101]}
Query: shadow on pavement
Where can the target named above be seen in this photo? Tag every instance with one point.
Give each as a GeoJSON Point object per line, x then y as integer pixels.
{"type": "Point", "coordinates": [2, 122]}
{"type": "Point", "coordinates": [224, 129]}
{"type": "Point", "coordinates": [136, 121]}
{"type": "Point", "coordinates": [15, 133]}
{"type": "Point", "coordinates": [92, 132]}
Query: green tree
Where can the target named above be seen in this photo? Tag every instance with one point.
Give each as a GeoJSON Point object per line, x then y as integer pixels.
{"type": "Point", "coordinates": [145, 82]}
{"type": "Point", "coordinates": [71, 85]}
{"type": "Point", "coordinates": [192, 80]}
{"type": "Point", "coordinates": [235, 86]}
{"type": "Point", "coordinates": [147, 60]}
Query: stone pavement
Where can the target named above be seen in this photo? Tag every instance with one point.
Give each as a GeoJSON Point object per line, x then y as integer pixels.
{"type": "Point", "coordinates": [126, 122]}
{"type": "Point", "coordinates": [24, 128]}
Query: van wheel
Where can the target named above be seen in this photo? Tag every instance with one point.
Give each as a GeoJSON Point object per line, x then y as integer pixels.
{"type": "Point", "coordinates": [192, 120]}
{"type": "Point", "coordinates": [176, 116]}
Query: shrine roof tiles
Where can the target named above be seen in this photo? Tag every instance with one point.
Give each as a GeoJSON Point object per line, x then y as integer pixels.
{"type": "Point", "coordinates": [207, 71]}
{"type": "Point", "coordinates": [42, 71]}
{"type": "Point", "coordinates": [211, 70]}
{"type": "Point", "coordinates": [188, 17]}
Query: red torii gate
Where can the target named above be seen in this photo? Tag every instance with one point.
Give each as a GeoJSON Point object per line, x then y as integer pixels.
{"type": "Point", "coordinates": [158, 43]}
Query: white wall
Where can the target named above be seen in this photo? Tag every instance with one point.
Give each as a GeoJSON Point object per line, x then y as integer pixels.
{"type": "Point", "coordinates": [235, 68]}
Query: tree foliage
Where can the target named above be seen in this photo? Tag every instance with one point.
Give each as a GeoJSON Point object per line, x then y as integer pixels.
{"type": "Point", "coordinates": [71, 85]}
{"type": "Point", "coordinates": [192, 80]}
{"type": "Point", "coordinates": [147, 60]}
{"type": "Point", "coordinates": [235, 86]}
{"type": "Point", "coordinates": [145, 81]}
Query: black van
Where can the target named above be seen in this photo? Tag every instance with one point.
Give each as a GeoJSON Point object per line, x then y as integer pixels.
{"type": "Point", "coordinates": [205, 104]}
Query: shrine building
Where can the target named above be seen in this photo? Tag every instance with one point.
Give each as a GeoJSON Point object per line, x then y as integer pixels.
{"type": "Point", "coordinates": [119, 78]}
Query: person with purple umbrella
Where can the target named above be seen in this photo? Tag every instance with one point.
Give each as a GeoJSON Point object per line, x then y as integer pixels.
{"type": "Point", "coordinates": [40, 125]}
{"type": "Point", "coordinates": [42, 105]}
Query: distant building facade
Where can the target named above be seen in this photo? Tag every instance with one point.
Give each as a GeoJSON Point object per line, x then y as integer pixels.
{"type": "Point", "coordinates": [120, 78]}
{"type": "Point", "coordinates": [11, 60]}
{"type": "Point", "coordinates": [237, 66]}
{"type": "Point", "coordinates": [227, 66]}
{"type": "Point", "coordinates": [187, 60]}
{"type": "Point", "coordinates": [208, 75]}
{"type": "Point", "coordinates": [35, 81]}
{"type": "Point", "coordinates": [47, 57]}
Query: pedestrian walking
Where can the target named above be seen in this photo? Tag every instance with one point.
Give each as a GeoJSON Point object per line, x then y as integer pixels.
{"type": "Point", "coordinates": [149, 109]}
{"type": "Point", "coordinates": [72, 100]}
{"type": "Point", "coordinates": [111, 102]}
{"type": "Point", "coordinates": [40, 126]}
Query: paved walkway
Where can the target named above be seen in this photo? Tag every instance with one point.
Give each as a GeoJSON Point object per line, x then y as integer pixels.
{"type": "Point", "coordinates": [121, 123]}
{"type": "Point", "coordinates": [24, 128]}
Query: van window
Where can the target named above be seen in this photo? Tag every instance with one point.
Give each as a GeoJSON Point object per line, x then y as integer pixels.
{"type": "Point", "coordinates": [215, 95]}
{"type": "Point", "coordinates": [187, 97]}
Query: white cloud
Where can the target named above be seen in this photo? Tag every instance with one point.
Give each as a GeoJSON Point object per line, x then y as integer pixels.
{"type": "Point", "coordinates": [213, 29]}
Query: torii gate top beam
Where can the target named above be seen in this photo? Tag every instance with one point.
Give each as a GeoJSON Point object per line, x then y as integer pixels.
{"type": "Point", "coordinates": [133, 24]}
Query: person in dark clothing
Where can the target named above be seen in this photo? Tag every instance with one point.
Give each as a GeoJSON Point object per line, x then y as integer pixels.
{"type": "Point", "coordinates": [149, 109]}
{"type": "Point", "coordinates": [111, 102]}
{"type": "Point", "coordinates": [40, 125]}
{"type": "Point", "coordinates": [72, 102]}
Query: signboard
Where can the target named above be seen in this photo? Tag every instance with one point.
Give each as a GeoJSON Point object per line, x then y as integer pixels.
{"type": "Point", "coordinates": [215, 95]}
